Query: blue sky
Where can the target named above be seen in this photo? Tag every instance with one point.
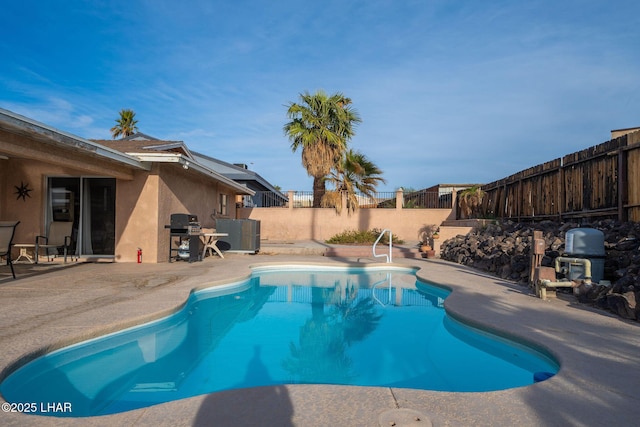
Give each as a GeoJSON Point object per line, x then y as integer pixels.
{"type": "Point", "coordinates": [448, 91]}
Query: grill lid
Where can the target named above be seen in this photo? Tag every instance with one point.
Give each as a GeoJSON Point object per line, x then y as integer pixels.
{"type": "Point", "coordinates": [181, 220]}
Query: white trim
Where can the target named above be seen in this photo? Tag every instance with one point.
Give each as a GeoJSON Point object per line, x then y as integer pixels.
{"type": "Point", "coordinates": [169, 146]}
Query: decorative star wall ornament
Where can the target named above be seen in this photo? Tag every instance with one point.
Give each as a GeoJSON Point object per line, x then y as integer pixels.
{"type": "Point", "coordinates": [22, 191]}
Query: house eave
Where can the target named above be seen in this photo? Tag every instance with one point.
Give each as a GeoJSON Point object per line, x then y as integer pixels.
{"type": "Point", "coordinates": [16, 123]}
{"type": "Point", "coordinates": [188, 163]}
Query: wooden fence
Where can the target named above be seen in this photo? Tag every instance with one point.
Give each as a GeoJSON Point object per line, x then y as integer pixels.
{"type": "Point", "coordinates": [602, 181]}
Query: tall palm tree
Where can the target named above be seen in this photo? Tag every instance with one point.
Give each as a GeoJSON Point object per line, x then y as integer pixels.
{"type": "Point", "coordinates": [321, 126]}
{"type": "Point", "coordinates": [126, 124]}
{"type": "Point", "coordinates": [355, 173]}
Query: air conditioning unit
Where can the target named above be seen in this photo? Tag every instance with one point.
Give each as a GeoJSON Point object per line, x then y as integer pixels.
{"type": "Point", "coordinates": [243, 235]}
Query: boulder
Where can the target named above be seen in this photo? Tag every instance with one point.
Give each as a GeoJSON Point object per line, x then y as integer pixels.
{"type": "Point", "coordinates": [624, 305]}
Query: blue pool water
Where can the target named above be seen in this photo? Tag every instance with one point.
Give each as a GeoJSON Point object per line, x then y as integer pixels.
{"type": "Point", "coordinates": [356, 326]}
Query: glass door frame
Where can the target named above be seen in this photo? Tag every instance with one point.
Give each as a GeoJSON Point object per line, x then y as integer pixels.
{"type": "Point", "coordinates": [79, 249]}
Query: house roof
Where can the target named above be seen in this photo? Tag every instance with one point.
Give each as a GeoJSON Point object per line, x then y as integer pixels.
{"type": "Point", "coordinates": [142, 145]}
{"type": "Point", "coordinates": [446, 188]}
{"type": "Point", "coordinates": [626, 129]}
{"type": "Point", "coordinates": [238, 173]}
{"type": "Point", "coordinates": [139, 136]}
{"type": "Point", "coordinates": [149, 149]}
{"type": "Point", "coordinates": [135, 151]}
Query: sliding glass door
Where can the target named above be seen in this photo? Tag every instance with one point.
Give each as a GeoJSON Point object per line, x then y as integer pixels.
{"type": "Point", "coordinates": [90, 204]}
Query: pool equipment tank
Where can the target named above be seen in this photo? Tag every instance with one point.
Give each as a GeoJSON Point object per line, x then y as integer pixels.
{"type": "Point", "coordinates": [585, 243]}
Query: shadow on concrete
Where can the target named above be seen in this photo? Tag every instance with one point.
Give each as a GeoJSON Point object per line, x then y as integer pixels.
{"type": "Point", "coordinates": [24, 271]}
{"type": "Point", "coordinates": [260, 406]}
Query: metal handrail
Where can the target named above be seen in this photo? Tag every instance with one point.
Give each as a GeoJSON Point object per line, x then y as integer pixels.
{"type": "Point", "coordinates": [389, 256]}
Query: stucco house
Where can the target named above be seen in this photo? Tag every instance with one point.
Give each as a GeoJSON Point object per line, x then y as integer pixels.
{"type": "Point", "coordinates": [266, 195]}
{"type": "Point", "coordinates": [118, 199]}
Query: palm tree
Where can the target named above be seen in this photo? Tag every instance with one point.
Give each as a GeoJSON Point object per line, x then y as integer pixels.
{"type": "Point", "coordinates": [470, 200]}
{"type": "Point", "coordinates": [355, 173]}
{"type": "Point", "coordinates": [321, 126]}
{"type": "Point", "coordinates": [126, 124]}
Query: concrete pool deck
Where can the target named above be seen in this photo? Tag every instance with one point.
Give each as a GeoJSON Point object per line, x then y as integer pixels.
{"type": "Point", "coordinates": [596, 386]}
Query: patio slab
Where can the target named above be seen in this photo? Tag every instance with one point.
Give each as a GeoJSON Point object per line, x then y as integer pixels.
{"type": "Point", "coordinates": [597, 384]}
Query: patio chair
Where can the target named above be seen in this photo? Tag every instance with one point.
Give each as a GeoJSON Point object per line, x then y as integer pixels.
{"type": "Point", "coordinates": [7, 231]}
{"type": "Point", "coordinates": [58, 236]}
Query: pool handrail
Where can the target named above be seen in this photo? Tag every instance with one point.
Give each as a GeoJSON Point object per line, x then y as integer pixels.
{"type": "Point", "coordinates": [389, 256]}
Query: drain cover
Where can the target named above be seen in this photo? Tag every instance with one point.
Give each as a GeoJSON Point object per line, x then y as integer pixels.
{"type": "Point", "coordinates": [403, 418]}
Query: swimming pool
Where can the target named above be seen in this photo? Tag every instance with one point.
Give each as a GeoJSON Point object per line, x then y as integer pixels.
{"type": "Point", "coordinates": [374, 326]}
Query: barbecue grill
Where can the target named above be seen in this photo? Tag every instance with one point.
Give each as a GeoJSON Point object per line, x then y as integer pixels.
{"type": "Point", "coordinates": [187, 229]}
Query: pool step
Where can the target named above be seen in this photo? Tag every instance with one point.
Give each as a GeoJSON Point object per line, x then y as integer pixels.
{"type": "Point", "coordinates": [347, 251]}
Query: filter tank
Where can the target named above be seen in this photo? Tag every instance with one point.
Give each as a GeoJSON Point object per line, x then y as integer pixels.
{"type": "Point", "coordinates": [586, 243]}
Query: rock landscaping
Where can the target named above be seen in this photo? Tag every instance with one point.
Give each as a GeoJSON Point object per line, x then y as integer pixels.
{"type": "Point", "coordinates": [504, 249]}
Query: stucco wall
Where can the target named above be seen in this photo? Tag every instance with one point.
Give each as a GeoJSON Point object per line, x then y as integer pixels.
{"type": "Point", "coordinates": [323, 223]}
{"type": "Point", "coordinates": [30, 211]}
{"type": "Point", "coordinates": [31, 161]}
{"type": "Point", "coordinates": [136, 217]}
{"type": "Point", "coordinates": [144, 206]}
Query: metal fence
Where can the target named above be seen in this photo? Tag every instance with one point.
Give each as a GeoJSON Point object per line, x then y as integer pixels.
{"type": "Point", "coordinates": [381, 200]}
{"type": "Point", "coordinates": [302, 199]}
{"type": "Point", "coordinates": [428, 200]}
{"type": "Point", "coordinates": [264, 199]}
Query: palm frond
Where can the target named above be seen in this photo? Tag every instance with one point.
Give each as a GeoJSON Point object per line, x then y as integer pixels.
{"type": "Point", "coordinates": [355, 173]}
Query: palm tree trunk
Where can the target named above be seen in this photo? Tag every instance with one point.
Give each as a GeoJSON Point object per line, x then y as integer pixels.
{"type": "Point", "coordinates": [318, 191]}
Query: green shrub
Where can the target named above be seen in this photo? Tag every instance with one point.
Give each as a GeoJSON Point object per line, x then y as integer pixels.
{"type": "Point", "coordinates": [362, 237]}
